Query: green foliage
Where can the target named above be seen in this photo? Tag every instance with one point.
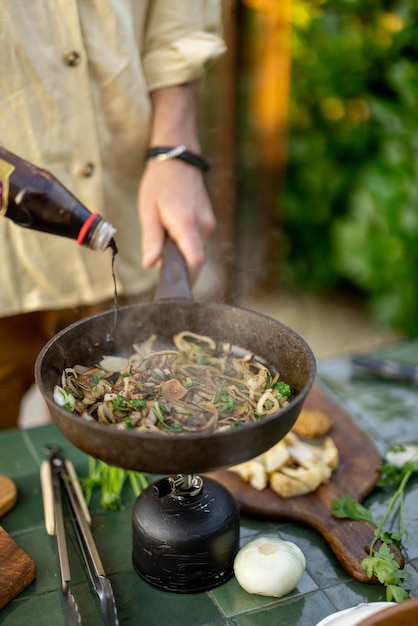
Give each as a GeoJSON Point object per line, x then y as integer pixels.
{"type": "Point", "coordinates": [350, 205]}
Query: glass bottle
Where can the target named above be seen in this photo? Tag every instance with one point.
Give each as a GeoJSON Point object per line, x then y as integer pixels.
{"type": "Point", "coordinates": [33, 198]}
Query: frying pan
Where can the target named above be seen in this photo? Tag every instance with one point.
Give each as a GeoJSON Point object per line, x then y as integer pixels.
{"type": "Point", "coordinates": [174, 311]}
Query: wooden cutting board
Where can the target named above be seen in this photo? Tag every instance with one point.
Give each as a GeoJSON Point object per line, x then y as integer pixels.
{"type": "Point", "coordinates": [356, 475]}
{"type": "Point", "coordinates": [17, 569]}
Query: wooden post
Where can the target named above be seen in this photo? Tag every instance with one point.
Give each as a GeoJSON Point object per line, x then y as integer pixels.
{"type": "Point", "coordinates": [219, 125]}
{"type": "Point", "coordinates": [248, 164]}
{"type": "Point", "coordinates": [268, 51]}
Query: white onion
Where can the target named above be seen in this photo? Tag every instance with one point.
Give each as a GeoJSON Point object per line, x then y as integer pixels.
{"type": "Point", "coordinates": [269, 566]}
{"type": "Point", "coordinates": [63, 398]}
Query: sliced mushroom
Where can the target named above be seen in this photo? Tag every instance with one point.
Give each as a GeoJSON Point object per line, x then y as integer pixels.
{"type": "Point", "coordinates": [276, 457]}
{"type": "Point", "coordinates": [286, 486]}
{"type": "Point", "coordinates": [252, 472]}
{"type": "Point", "coordinates": [291, 467]}
{"type": "Point", "coordinates": [312, 476]}
{"type": "Point", "coordinates": [173, 389]}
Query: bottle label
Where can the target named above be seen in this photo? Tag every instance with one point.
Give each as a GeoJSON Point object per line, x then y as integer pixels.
{"type": "Point", "coordinates": [6, 169]}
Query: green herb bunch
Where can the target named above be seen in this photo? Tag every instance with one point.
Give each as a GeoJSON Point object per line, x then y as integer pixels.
{"type": "Point", "coordinates": [381, 562]}
{"type": "Point", "coordinates": [110, 480]}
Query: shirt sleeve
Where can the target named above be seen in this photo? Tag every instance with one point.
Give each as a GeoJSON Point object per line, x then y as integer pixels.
{"type": "Point", "coordinates": [181, 38]}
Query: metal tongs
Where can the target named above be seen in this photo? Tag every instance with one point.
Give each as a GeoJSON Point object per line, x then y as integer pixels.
{"type": "Point", "coordinates": [58, 478]}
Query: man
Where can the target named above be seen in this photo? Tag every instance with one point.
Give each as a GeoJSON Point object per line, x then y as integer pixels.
{"type": "Point", "coordinates": [86, 88]}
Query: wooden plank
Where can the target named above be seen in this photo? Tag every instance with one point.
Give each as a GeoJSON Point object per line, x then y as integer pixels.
{"type": "Point", "coordinates": [356, 474]}
{"type": "Point", "coordinates": [17, 569]}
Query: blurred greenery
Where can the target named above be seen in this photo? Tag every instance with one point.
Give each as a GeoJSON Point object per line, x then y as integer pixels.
{"type": "Point", "coordinates": [350, 203]}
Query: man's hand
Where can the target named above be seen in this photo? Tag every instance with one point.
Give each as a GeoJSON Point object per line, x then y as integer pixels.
{"type": "Point", "coordinates": [172, 195]}
{"type": "Point", "coordinates": [173, 199]}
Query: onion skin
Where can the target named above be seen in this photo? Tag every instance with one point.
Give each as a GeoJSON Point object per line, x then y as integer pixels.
{"type": "Point", "coordinates": [269, 567]}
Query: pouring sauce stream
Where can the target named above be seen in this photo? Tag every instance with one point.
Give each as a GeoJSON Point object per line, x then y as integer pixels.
{"type": "Point", "coordinates": [110, 336]}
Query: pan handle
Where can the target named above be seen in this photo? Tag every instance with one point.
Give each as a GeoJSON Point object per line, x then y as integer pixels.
{"type": "Point", "coordinates": [173, 281]}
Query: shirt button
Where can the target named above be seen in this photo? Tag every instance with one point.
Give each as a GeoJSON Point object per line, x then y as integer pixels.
{"type": "Point", "coordinates": [72, 59]}
{"type": "Point", "coordinates": [88, 170]}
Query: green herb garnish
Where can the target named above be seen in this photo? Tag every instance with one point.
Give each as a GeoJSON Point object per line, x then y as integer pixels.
{"type": "Point", "coordinates": [119, 402]}
{"type": "Point", "coordinates": [381, 562]}
{"type": "Point", "coordinates": [228, 404]}
{"type": "Point", "coordinates": [350, 508]}
{"type": "Point", "coordinates": [137, 404]}
{"type": "Point", "coordinates": [203, 360]}
{"type": "Point", "coordinates": [128, 422]}
{"type": "Point", "coordinates": [159, 410]}
{"type": "Point", "coordinates": [282, 388]}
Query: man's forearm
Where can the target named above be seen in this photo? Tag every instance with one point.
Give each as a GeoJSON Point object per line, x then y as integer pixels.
{"type": "Point", "coordinates": [174, 117]}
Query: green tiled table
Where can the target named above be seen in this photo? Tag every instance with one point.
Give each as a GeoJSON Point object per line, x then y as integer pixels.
{"type": "Point", "coordinates": [387, 411]}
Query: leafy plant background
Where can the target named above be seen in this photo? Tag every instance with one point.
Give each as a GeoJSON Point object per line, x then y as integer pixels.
{"type": "Point", "coordinates": [350, 202]}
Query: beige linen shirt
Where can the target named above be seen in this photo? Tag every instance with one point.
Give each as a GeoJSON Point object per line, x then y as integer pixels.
{"type": "Point", "coordinates": [75, 77]}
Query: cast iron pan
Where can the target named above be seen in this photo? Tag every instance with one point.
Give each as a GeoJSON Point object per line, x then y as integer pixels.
{"type": "Point", "coordinates": [173, 311]}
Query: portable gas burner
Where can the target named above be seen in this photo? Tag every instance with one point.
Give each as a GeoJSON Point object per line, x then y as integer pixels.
{"type": "Point", "coordinates": [185, 533]}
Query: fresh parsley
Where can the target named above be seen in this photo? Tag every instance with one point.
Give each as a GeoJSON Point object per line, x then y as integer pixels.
{"type": "Point", "coordinates": [348, 507]}
{"type": "Point", "coordinates": [381, 562]}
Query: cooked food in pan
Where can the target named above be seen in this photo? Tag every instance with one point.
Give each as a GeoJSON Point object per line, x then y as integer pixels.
{"type": "Point", "coordinates": [194, 385]}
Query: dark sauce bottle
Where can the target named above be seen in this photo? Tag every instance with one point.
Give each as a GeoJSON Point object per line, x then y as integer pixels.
{"type": "Point", "coordinates": [33, 198]}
